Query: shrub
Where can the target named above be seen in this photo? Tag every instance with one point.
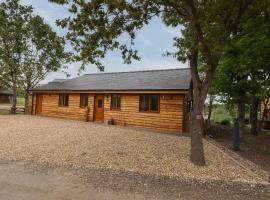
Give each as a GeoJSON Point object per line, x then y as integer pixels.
{"type": "Point", "coordinates": [225, 122]}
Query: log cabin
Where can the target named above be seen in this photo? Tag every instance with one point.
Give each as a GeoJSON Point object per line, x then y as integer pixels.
{"type": "Point", "coordinates": [154, 99]}
{"type": "Point", "coordinates": [5, 96]}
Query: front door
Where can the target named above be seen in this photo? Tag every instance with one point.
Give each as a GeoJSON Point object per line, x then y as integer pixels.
{"type": "Point", "coordinates": [99, 107]}
{"type": "Point", "coordinates": [39, 99]}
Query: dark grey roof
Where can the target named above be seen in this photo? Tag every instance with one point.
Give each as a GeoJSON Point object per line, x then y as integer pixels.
{"type": "Point", "coordinates": [5, 91]}
{"type": "Point", "coordinates": [169, 79]}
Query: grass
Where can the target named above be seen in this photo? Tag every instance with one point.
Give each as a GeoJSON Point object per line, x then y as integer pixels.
{"type": "Point", "coordinates": [4, 110]}
{"type": "Point", "coordinates": [20, 101]}
{"type": "Point", "coordinates": [220, 113]}
{"type": "Point", "coordinates": [4, 113]}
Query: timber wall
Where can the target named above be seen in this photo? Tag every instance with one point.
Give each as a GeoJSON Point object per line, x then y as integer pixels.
{"type": "Point", "coordinates": [169, 117]}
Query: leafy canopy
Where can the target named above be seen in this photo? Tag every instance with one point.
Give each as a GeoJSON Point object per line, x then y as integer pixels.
{"type": "Point", "coordinates": [244, 71]}
{"type": "Point", "coordinates": [29, 48]}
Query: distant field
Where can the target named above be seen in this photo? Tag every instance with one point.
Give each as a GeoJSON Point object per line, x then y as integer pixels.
{"type": "Point", "coordinates": [20, 101]}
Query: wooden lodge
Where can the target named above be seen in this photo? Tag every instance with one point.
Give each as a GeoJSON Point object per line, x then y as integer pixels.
{"type": "Point", "coordinates": [150, 99]}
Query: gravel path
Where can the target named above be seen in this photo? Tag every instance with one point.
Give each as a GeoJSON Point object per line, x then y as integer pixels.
{"type": "Point", "coordinates": [97, 146]}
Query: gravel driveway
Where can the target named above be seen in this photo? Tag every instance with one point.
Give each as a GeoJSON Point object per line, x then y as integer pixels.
{"type": "Point", "coordinates": [97, 146]}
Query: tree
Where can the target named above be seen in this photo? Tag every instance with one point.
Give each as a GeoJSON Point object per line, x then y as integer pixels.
{"type": "Point", "coordinates": [243, 77]}
{"type": "Point", "coordinates": [12, 19]}
{"type": "Point", "coordinates": [44, 54]}
{"type": "Point", "coordinates": [95, 28]}
{"type": "Point", "coordinates": [29, 49]}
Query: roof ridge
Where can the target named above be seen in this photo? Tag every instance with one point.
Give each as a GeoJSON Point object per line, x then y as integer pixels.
{"type": "Point", "coordinates": [153, 70]}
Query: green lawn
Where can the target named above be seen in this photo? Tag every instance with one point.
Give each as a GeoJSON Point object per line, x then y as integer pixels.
{"type": "Point", "coordinates": [4, 113]}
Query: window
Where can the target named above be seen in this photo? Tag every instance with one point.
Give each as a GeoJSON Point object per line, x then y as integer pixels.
{"type": "Point", "coordinates": [188, 104]}
{"type": "Point", "coordinates": [100, 103]}
{"type": "Point", "coordinates": [83, 100]}
{"type": "Point", "coordinates": [149, 103]}
{"type": "Point", "coordinates": [63, 100]}
{"type": "Point", "coordinates": [115, 101]}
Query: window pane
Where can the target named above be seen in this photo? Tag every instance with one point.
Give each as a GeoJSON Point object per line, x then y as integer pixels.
{"type": "Point", "coordinates": [61, 100]}
{"type": "Point", "coordinates": [113, 99]}
{"type": "Point", "coordinates": [100, 103]}
{"type": "Point", "coordinates": [84, 100]}
{"type": "Point", "coordinates": [118, 101]}
{"type": "Point", "coordinates": [144, 103]}
{"type": "Point", "coordinates": [154, 102]}
{"type": "Point", "coordinates": [66, 99]}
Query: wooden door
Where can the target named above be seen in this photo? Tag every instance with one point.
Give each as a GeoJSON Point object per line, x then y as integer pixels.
{"type": "Point", "coordinates": [99, 107]}
{"type": "Point", "coordinates": [39, 99]}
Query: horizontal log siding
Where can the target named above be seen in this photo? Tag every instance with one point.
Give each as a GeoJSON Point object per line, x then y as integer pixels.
{"type": "Point", "coordinates": [170, 117]}
{"type": "Point", "coordinates": [72, 111]}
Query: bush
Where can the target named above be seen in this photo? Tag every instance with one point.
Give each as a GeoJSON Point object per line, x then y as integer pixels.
{"type": "Point", "coordinates": [225, 122]}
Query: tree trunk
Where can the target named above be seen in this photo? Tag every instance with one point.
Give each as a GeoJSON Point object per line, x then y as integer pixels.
{"type": "Point", "coordinates": [26, 101]}
{"type": "Point", "coordinates": [196, 117]}
{"type": "Point", "coordinates": [14, 96]}
{"type": "Point", "coordinates": [241, 116]}
{"type": "Point", "coordinates": [211, 100]}
{"type": "Point", "coordinates": [197, 152]}
{"type": "Point", "coordinates": [254, 115]}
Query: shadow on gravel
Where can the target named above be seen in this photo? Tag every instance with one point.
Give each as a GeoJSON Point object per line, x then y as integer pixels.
{"type": "Point", "coordinates": [39, 181]}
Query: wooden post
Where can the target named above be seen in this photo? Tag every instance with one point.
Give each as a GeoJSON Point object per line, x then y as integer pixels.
{"type": "Point", "coordinates": [86, 116]}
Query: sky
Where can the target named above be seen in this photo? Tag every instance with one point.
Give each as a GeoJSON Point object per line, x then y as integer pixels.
{"type": "Point", "coordinates": [151, 42]}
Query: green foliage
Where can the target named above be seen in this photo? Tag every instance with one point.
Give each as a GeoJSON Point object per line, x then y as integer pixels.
{"type": "Point", "coordinates": [220, 113]}
{"type": "Point", "coordinates": [244, 71]}
{"type": "Point", "coordinates": [29, 48]}
{"type": "Point", "coordinates": [96, 26]}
